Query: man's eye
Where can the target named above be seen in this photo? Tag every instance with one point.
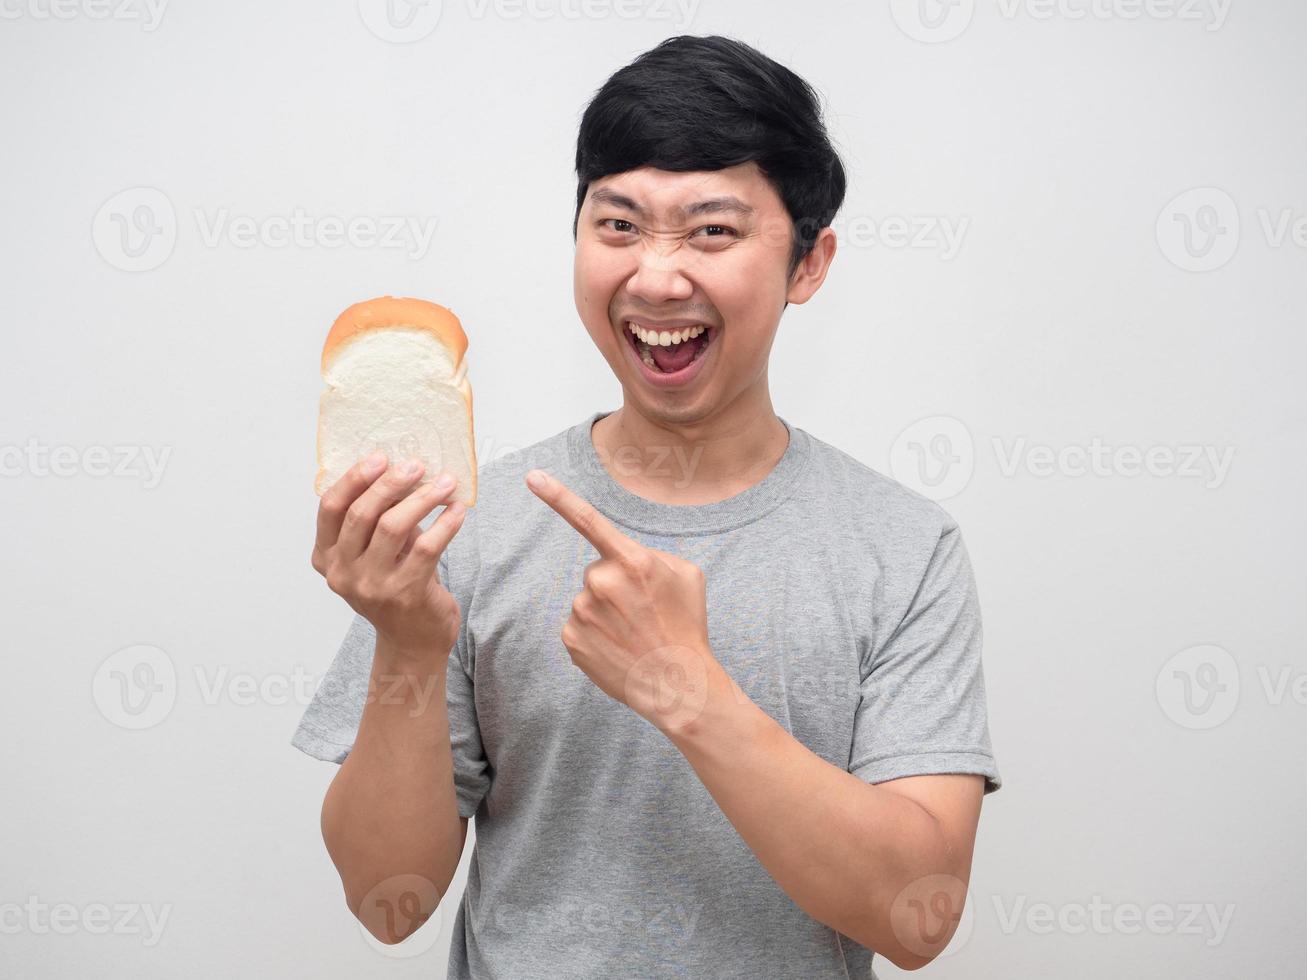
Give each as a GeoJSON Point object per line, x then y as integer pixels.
{"type": "Point", "coordinates": [618, 221]}
{"type": "Point", "coordinates": [720, 228]}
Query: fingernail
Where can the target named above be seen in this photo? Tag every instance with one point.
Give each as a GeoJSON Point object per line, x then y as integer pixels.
{"type": "Point", "coordinates": [445, 482]}
{"type": "Point", "coordinates": [374, 463]}
{"type": "Point", "coordinates": [408, 467]}
{"type": "Point", "coordinates": [535, 479]}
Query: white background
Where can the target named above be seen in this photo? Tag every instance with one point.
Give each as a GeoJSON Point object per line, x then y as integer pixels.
{"type": "Point", "coordinates": [1066, 140]}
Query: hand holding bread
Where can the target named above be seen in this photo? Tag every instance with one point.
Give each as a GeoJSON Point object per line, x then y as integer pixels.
{"type": "Point", "coordinates": [396, 391]}
{"type": "Point", "coordinates": [373, 553]}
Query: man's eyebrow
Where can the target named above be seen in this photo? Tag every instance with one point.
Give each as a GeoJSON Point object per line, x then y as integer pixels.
{"type": "Point", "coordinates": [718, 205]}
{"type": "Point", "coordinates": [714, 205]}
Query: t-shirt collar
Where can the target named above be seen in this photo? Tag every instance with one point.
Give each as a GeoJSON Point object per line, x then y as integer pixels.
{"type": "Point", "coordinates": [590, 479]}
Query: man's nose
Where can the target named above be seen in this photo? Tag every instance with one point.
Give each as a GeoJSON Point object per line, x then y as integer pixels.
{"type": "Point", "coordinates": [663, 269]}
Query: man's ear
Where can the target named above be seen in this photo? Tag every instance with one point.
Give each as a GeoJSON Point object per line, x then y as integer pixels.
{"type": "Point", "coordinates": [811, 273]}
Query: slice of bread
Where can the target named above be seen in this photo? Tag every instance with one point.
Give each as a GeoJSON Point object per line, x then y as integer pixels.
{"type": "Point", "coordinates": [396, 381]}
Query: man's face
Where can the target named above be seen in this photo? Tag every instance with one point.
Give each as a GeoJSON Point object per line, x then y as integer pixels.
{"type": "Point", "coordinates": [709, 247]}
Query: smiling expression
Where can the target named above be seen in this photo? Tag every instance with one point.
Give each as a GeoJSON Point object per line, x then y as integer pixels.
{"type": "Point", "coordinates": [674, 250]}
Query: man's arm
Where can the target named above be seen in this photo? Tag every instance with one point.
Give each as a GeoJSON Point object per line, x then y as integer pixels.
{"type": "Point", "coordinates": [390, 817]}
{"type": "Point", "coordinates": [886, 865]}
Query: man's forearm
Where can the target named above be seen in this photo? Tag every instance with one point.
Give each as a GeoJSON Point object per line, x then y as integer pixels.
{"type": "Point", "coordinates": [390, 817]}
{"type": "Point", "coordinates": [841, 848]}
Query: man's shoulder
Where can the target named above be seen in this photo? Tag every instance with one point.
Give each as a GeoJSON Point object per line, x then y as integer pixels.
{"type": "Point", "coordinates": [882, 526]}
{"type": "Point", "coordinates": [874, 499]}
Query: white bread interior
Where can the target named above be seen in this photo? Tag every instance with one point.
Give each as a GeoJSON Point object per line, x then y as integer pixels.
{"type": "Point", "coordinates": [397, 389]}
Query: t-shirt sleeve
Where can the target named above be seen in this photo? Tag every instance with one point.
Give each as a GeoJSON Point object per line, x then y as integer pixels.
{"type": "Point", "coordinates": [922, 708]}
{"type": "Point", "coordinates": [331, 721]}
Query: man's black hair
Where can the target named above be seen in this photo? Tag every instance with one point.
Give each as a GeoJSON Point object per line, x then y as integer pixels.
{"type": "Point", "coordinates": [707, 103]}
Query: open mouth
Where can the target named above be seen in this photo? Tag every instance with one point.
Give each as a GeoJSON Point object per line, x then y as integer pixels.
{"type": "Point", "coordinates": [669, 352]}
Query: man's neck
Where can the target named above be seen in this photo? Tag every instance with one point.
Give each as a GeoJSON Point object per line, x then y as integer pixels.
{"type": "Point", "coordinates": [699, 463]}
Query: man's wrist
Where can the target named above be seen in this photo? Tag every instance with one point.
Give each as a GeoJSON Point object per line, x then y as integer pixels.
{"type": "Point", "coordinates": [726, 717]}
{"type": "Point", "coordinates": [411, 655]}
{"type": "Point", "coordinates": [406, 677]}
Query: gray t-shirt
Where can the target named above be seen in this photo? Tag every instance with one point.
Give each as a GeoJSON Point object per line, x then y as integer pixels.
{"type": "Point", "coordinates": [842, 602]}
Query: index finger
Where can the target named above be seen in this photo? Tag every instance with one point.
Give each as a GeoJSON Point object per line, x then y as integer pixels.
{"type": "Point", "coordinates": [592, 525]}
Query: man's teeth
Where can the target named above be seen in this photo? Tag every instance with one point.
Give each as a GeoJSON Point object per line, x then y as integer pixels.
{"type": "Point", "coordinates": [665, 338]}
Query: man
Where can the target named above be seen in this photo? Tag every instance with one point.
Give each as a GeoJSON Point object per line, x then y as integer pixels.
{"type": "Point", "coordinates": [712, 689]}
